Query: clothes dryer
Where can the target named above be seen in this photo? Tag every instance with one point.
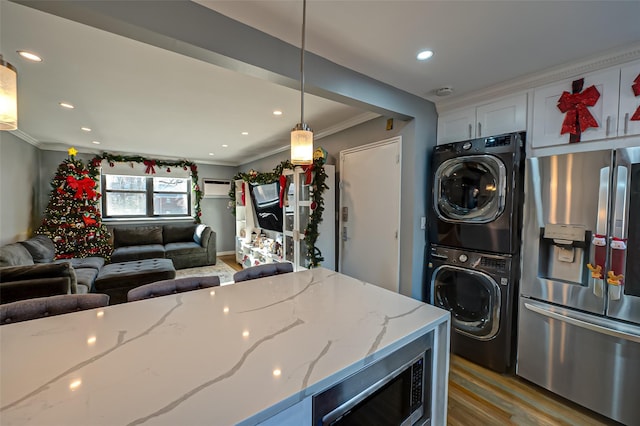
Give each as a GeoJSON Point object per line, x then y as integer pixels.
{"type": "Point", "coordinates": [476, 190]}
{"type": "Point", "coordinates": [480, 290]}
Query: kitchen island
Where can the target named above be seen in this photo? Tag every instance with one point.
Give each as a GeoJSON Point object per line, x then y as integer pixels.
{"type": "Point", "coordinates": [247, 353]}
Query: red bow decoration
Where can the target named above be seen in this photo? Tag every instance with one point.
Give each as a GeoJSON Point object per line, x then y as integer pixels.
{"type": "Point", "coordinates": [636, 91]}
{"type": "Point", "coordinates": [88, 221]}
{"type": "Point", "coordinates": [283, 190]}
{"type": "Point", "coordinates": [150, 166]}
{"type": "Point", "coordinates": [575, 104]}
{"type": "Point", "coordinates": [308, 172]}
{"type": "Point", "coordinates": [82, 186]}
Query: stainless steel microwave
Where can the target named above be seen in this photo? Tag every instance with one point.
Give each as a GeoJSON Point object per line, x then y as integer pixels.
{"type": "Point", "coordinates": [394, 391]}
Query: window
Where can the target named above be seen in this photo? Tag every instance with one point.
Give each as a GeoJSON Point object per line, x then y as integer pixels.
{"type": "Point", "coordinates": [145, 196]}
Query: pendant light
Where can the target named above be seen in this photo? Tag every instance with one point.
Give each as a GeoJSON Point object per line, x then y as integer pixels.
{"type": "Point", "coordinates": [8, 96]}
{"type": "Point", "coordinates": [301, 135]}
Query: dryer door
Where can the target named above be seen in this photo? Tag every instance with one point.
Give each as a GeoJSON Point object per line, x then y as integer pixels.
{"type": "Point", "coordinates": [470, 189]}
{"type": "Point", "coordinates": [472, 297]}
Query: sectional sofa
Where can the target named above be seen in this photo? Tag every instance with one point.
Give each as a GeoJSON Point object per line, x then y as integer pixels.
{"type": "Point", "coordinates": [28, 268]}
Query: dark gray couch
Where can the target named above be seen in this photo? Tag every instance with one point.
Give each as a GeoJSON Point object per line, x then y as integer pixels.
{"type": "Point", "coordinates": [178, 242]}
{"type": "Point", "coordinates": [27, 270]}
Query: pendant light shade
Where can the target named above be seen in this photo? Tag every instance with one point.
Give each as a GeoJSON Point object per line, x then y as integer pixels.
{"type": "Point", "coordinates": [301, 145]}
{"type": "Point", "coordinates": [301, 135]}
{"type": "Point", "coordinates": [8, 96]}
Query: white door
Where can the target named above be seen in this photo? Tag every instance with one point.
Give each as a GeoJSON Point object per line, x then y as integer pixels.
{"type": "Point", "coordinates": [370, 213]}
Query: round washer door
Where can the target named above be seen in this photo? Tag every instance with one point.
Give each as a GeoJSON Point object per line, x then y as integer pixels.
{"type": "Point", "coordinates": [470, 188]}
{"type": "Point", "coordinates": [472, 297]}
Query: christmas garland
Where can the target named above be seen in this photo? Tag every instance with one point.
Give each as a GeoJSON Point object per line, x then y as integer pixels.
{"type": "Point", "coordinates": [318, 185]}
{"type": "Point", "coordinates": [94, 166]}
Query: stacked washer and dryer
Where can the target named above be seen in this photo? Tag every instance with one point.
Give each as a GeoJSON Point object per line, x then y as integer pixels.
{"type": "Point", "coordinates": [473, 260]}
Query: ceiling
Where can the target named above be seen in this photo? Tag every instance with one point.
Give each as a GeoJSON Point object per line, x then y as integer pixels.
{"type": "Point", "coordinates": [120, 90]}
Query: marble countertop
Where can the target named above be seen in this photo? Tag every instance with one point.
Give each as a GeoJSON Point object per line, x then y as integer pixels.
{"type": "Point", "coordinates": [233, 354]}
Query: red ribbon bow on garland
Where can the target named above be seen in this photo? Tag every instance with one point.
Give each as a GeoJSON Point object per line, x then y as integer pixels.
{"type": "Point", "coordinates": [636, 91]}
{"type": "Point", "coordinates": [82, 186]}
{"type": "Point", "coordinates": [575, 104]}
{"type": "Point", "coordinates": [150, 166]}
{"type": "Point", "coordinates": [308, 173]}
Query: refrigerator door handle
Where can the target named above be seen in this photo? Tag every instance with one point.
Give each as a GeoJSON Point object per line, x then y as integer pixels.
{"type": "Point", "coordinates": [600, 240]}
{"type": "Point", "coordinates": [617, 239]}
{"type": "Point", "coordinates": [573, 320]}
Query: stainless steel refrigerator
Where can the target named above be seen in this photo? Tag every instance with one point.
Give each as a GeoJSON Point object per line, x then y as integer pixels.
{"type": "Point", "coordinates": [579, 311]}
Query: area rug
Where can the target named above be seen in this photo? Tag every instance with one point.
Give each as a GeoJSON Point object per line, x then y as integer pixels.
{"type": "Point", "coordinates": [221, 269]}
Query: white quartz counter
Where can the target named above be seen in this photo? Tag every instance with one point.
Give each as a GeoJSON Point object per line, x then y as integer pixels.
{"type": "Point", "coordinates": [236, 355]}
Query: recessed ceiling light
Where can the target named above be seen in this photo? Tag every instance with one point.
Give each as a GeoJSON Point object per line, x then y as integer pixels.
{"type": "Point", "coordinates": [424, 55]}
{"type": "Point", "coordinates": [29, 55]}
{"type": "Point", "coordinates": [66, 105]}
{"type": "Point", "coordinates": [245, 133]}
{"type": "Point", "coordinates": [95, 142]}
{"type": "Point", "coordinates": [86, 129]}
{"type": "Point", "coordinates": [211, 153]}
{"type": "Point", "coordinates": [277, 112]}
{"type": "Point", "coordinates": [225, 146]}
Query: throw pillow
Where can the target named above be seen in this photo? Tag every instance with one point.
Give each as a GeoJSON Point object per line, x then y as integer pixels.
{"type": "Point", "coordinates": [41, 248]}
{"type": "Point", "coordinates": [197, 235]}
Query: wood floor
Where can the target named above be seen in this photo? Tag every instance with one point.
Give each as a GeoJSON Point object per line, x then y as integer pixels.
{"type": "Point", "coordinates": [481, 397]}
{"type": "Point", "coordinates": [478, 396]}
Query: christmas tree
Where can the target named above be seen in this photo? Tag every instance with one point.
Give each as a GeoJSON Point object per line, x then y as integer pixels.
{"type": "Point", "coordinates": [72, 219]}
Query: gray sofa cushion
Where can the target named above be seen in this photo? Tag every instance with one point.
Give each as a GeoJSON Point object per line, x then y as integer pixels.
{"type": "Point", "coordinates": [183, 249]}
{"type": "Point", "coordinates": [15, 255]}
{"type": "Point", "coordinates": [178, 233]}
{"type": "Point", "coordinates": [137, 236]}
{"type": "Point", "coordinates": [25, 274]}
{"type": "Point", "coordinates": [84, 279]}
{"type": "Point", "coordinates": [41, 248]}
{"type": "Point", "coordinates": [85, 263]}
{"type": "Point", "coordinates": [126, 254]}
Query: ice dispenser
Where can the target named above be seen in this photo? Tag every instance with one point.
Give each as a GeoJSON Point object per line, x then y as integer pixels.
{"type": "Point", "coordinates": [564, 253]}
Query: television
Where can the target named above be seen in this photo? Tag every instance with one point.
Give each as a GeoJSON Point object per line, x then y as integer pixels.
{"type": "Point", "coordinates": [266, 203]}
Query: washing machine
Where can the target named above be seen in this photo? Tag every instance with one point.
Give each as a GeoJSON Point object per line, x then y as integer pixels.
{"type": "Point", "coordinates": [480, 289]}
{"type": "Point", "coordinates": [477, 194]}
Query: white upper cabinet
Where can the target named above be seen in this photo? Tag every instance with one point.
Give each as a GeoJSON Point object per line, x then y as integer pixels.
{"type": "Point", "coordinates": [458, 125]}
{"type": "Point", "coordinates": [504, 115]}
{"type": "Point", "coordinates": [629, 102]}
{"type": "Point", "coordinates": [548, 119]}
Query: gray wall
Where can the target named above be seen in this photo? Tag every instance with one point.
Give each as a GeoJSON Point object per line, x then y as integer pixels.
{"type": "Point", "coordinates": [215, 211]}
{"type": "Point", "coordinates": [19, 184]}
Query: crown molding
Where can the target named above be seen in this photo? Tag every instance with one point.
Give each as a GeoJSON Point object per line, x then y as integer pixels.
{"type": "Point", "coordinates": [551, 75]}
{"type": "Point", "coordinates": [26, 137]}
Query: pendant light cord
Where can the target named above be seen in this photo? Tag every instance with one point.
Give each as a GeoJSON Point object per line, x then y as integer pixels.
{"type": "Point", "coordinates": [304, 25]}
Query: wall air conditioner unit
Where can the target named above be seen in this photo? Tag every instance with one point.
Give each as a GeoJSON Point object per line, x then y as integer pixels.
{"type": "Point", "coordinates": [216, 188]}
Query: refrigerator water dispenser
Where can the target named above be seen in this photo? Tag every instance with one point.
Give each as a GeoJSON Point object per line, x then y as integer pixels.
{"type": "Point", "coordinates": [564, 253]}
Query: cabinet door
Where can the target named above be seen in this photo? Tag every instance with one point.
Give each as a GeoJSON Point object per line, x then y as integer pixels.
{"type": "Point", "coordinates": [547, 118]}
{"type": "Point", "coordinates": [457, 126]}
{"type": "Point", "coordinates": [296, 218]}
{"type": "Point", "coordinates": [502, 116]}
{"type": "Point", "coordinates": [629, 102]}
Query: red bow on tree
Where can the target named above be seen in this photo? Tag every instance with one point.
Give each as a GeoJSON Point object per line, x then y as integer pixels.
{"type": "Point", "coordinates": [88, 221]}
{"type": "Point", "coordinates": [636, 91]}
{"type": "Point", "coordinates": [575, 104]}
{"type": "Point", "coordinates": [150, 166]}
{"type": "Point", "coordinates": [82, 186]}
